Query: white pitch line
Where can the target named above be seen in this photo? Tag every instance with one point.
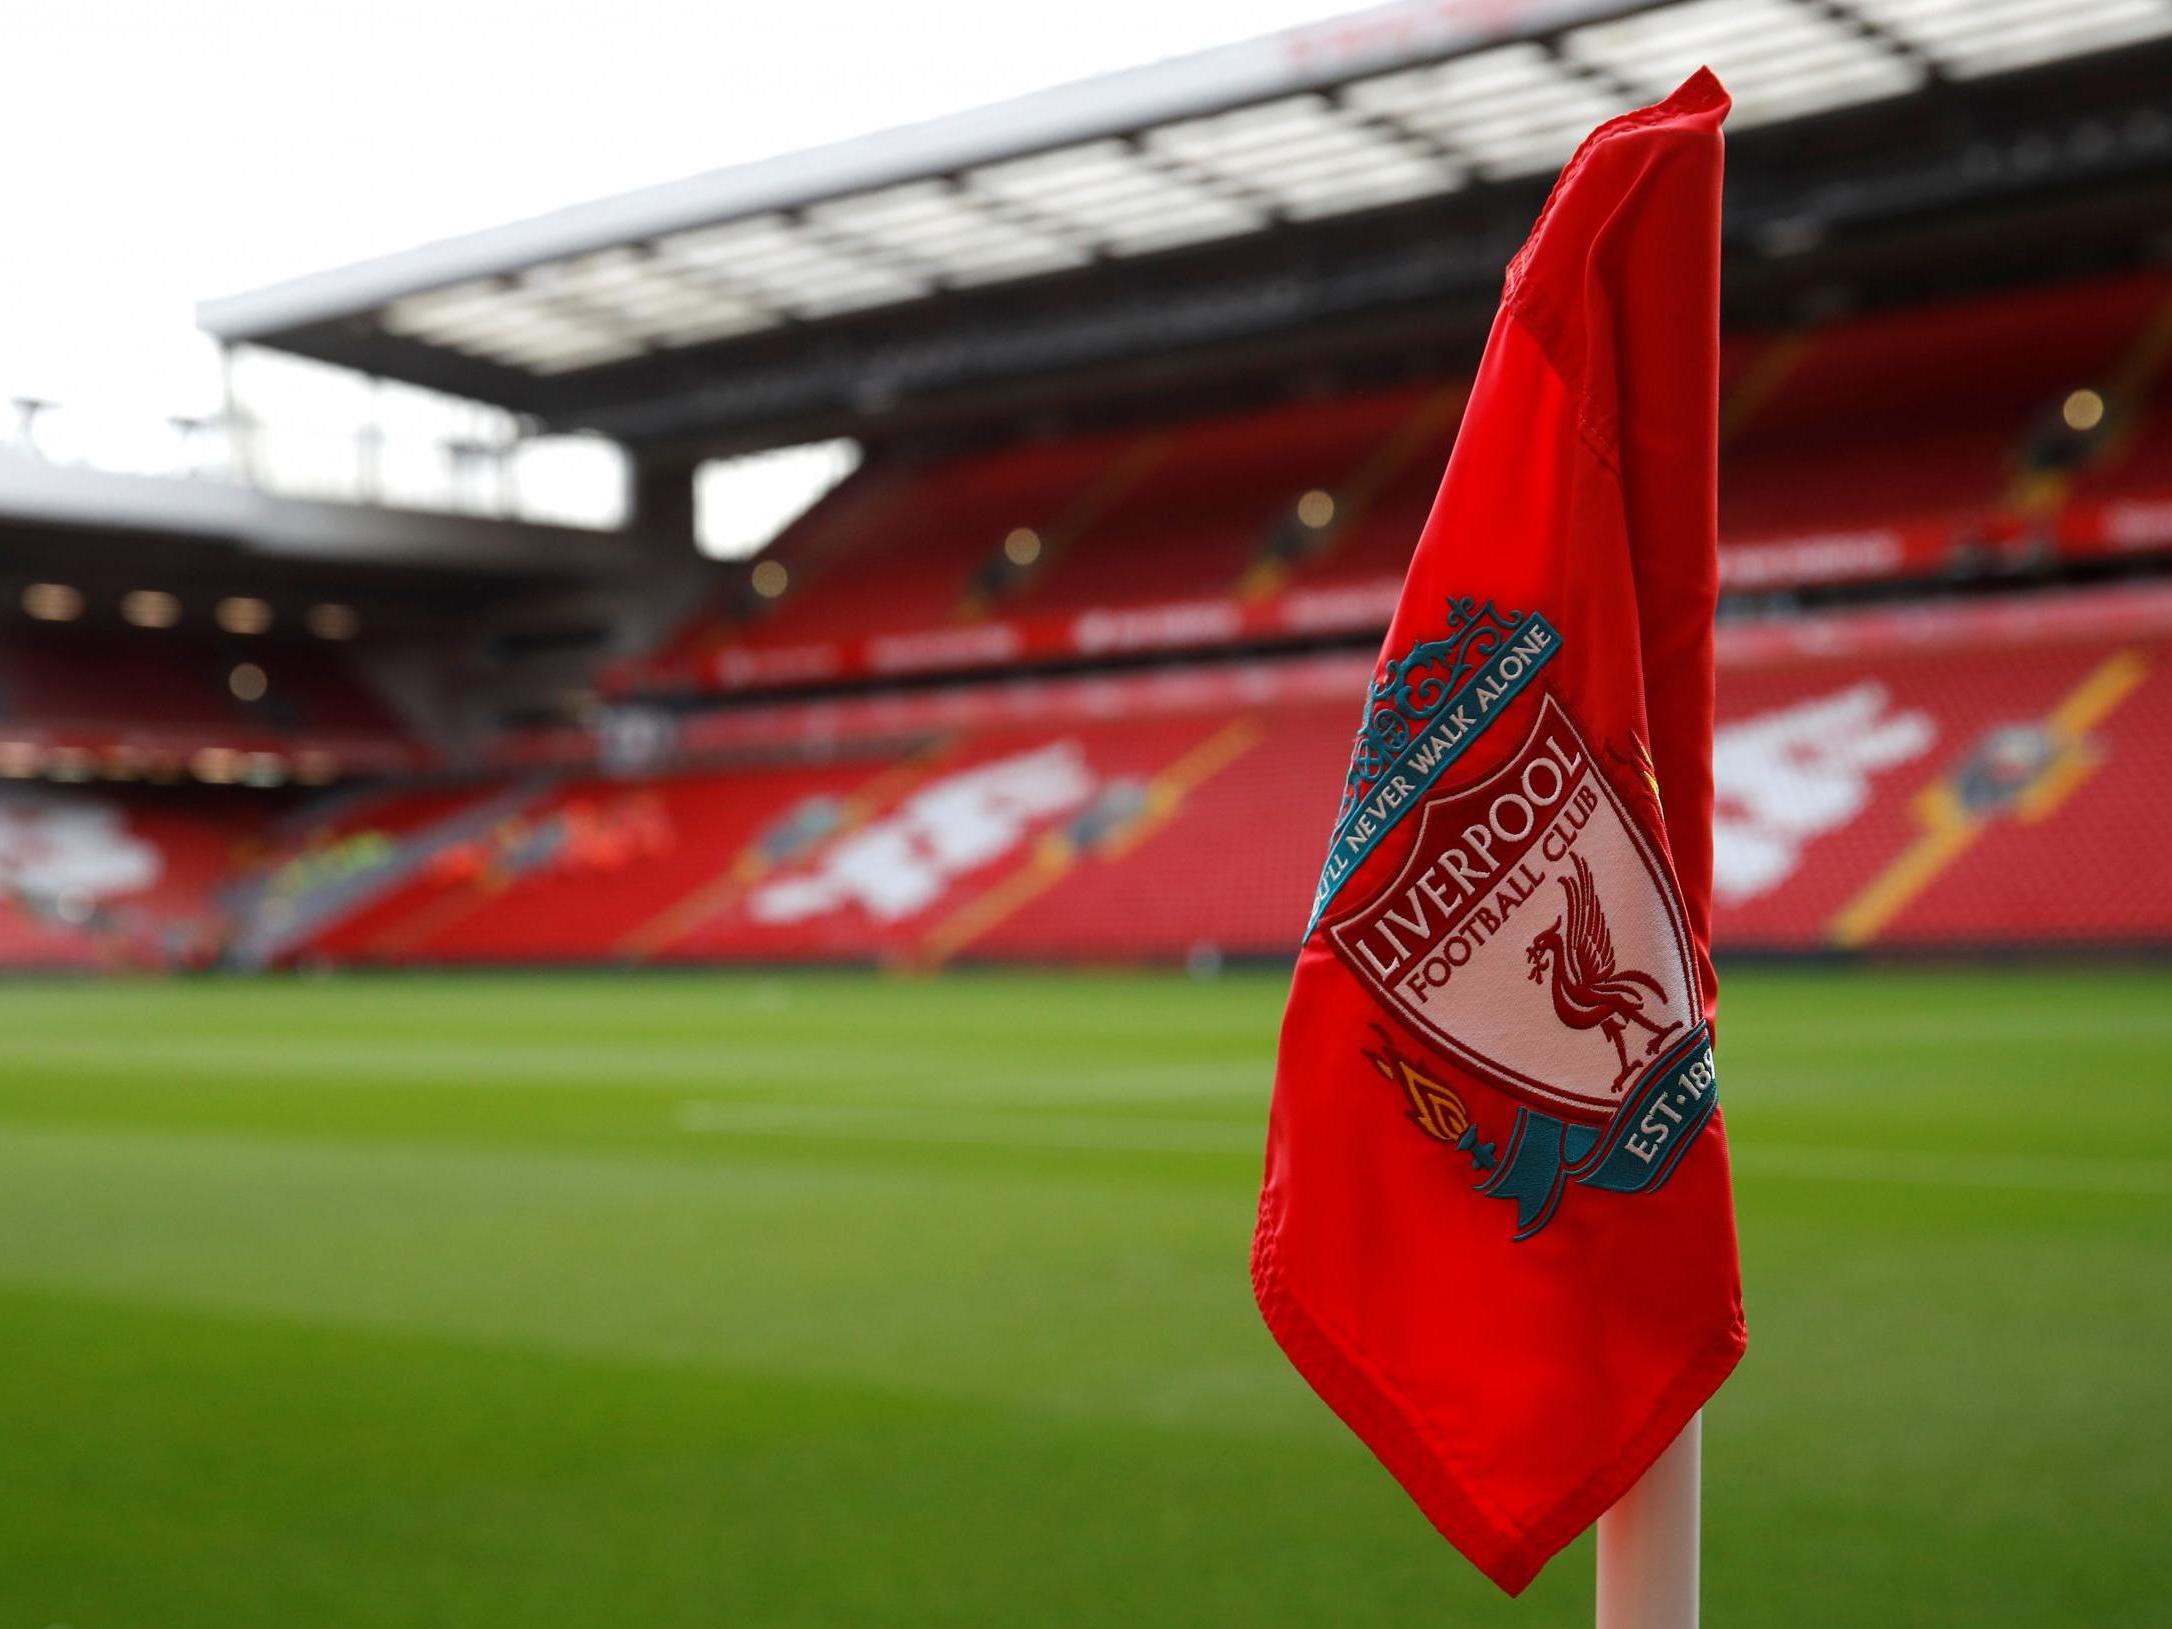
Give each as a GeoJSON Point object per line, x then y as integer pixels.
{"type": "Point", "coordinates": [2055, 1173]}
{"type": "Point", "coordinates": [1867, 1034]}
{"type": "Point", "coordinates": [947, 1126]}
{"type": "Point", "coordinates": [2046, 1173]}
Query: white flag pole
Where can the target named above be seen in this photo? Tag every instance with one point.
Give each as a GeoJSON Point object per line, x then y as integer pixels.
{"type": "Point", "coordinates": [1648, 1543]}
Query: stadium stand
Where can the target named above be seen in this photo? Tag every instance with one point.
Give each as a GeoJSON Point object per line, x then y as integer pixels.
{"type": "Point", "coordinates": [97, 690]}
{"type": "Point", "coordinates": [1905, 445]}
{"type": "Point", "coordinates": [1981, 785]}
{"type": "Point", "coordinates": [1983, 773]}
{"type": "Point", "coordinates": [982, 560]}
{"type": "Point", "coordinates": [1929, 775]}
{"type": "Point", "coordinates": [113, 878]}
{"type": "Point", "coordinates": [1980, 772]}
{"type": "Point", "coordinates": [111, 681]}
{"type": "Point", "coordinates": [1924, 444]}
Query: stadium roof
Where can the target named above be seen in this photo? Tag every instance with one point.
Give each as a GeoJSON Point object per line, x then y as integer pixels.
{"type": "Point", "coordinates": [623, 314]}
{"type": "Point", "coordinates": [42, 499]}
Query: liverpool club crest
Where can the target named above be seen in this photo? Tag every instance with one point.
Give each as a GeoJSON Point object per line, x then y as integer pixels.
{"type": "Point", "coordinates": [1534, 936]}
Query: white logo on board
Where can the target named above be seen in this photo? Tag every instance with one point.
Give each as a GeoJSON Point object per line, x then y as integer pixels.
{"type": "Point", "coordinates": [1783, 778]}
{"type": "Point", "coordinates": [901, 864]}
{"type": "Point", "coordinates": [56, 844]}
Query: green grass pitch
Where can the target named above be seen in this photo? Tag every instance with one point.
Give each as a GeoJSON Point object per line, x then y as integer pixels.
{"type": "Point", "coordinates": [828, 1300]}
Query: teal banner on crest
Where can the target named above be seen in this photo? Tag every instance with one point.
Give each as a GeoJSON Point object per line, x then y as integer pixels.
{"type": "Point", "coordinates": [1436, 739]}
{"type": "Point", "coordinates": [1637, 1150]}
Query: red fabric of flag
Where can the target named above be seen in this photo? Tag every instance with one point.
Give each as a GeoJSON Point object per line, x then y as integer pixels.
{"type": "Point", "coordinates": [1496, 1232]}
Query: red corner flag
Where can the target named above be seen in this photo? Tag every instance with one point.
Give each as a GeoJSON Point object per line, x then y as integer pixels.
{"type": "Point", "coordinates": [1496, 1233]}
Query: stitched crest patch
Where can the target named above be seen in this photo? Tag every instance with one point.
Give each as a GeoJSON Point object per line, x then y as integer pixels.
{"type": "Point", "coordinates": [1533, 935]}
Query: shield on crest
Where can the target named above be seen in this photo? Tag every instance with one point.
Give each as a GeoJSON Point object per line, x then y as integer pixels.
{"type": "Point", "coordinates": [1534, 933]}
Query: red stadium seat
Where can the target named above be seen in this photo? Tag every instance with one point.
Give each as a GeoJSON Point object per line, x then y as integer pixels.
{"type": "Point", "coordinates": [1972, 775]}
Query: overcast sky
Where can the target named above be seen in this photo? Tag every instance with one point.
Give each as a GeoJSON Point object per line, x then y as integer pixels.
{"type": "Point", "coordinates": [164, 150]}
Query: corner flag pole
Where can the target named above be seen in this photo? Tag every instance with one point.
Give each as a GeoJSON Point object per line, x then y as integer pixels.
{"type": "Point", "coordinates": [1648, 1543]}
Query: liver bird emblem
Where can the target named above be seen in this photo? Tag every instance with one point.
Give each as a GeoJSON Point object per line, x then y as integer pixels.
{"type": "Point", "coordinates": [1589, 991]}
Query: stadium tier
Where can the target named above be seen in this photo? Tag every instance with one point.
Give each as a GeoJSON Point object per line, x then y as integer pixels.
{"type": "Point", "coordinates": [1987, 773]}
{"type": "Point", "coordinates": [1934, 443]}
{"type": "Point", "coordinates": [110, 878]}
{"type": "Point", "coordinates": [1187, 537]}
{"type": "Point", "coordinates": [142, 699]}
